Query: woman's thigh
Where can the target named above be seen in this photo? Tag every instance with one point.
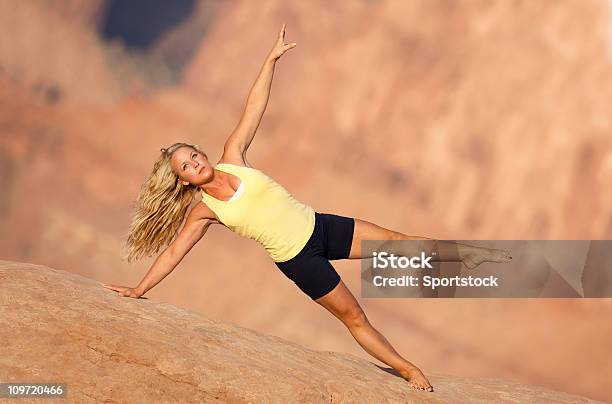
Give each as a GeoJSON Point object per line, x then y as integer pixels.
{"type": "Point", "coordinates": [365, 230]}
{"type": "Point", "coordinates": [313, 274]}
{"type": "Point", "coordinates": [335, 234]}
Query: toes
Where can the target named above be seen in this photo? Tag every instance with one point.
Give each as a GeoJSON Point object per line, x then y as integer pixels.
{"type": "Point", "coordinates": [421, 387]}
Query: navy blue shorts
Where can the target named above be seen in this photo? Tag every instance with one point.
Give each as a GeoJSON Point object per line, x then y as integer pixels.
{"type": "Point", "coordinates": [310, 269]}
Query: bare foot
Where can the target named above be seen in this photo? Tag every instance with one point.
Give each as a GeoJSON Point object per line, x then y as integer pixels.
{"type": "Point", "coordinates": [479, 255]}
{"type": "Point", "coordinates": [416, 379]}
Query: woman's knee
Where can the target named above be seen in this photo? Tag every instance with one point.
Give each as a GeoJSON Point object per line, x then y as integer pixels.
{"type": "Point", "coordinates": [342, 304]}
{"type": "Point", "coordinates": [354, 317]}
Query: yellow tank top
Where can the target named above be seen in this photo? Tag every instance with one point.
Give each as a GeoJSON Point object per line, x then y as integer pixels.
{"type": "Point", "coordinates": [264, 211]}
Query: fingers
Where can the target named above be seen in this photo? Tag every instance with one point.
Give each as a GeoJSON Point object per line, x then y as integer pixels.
{"type": "Point", "coordinates": [114, 287]}
{"type": "Point", "coordinates": [281, 40]}
{"type": "Point", "coordinates": [123, 291]}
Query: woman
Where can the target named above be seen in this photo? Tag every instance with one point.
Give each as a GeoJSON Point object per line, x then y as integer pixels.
{"type": "Point", "coordinates": [299, 240]}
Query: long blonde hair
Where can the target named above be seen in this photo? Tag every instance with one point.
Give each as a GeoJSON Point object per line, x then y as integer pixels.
{"type": "Point", "coordinates": [159, 208]}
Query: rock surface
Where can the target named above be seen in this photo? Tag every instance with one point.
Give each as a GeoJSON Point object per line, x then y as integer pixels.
{"type": "Point", "coordinates": [62, 327]}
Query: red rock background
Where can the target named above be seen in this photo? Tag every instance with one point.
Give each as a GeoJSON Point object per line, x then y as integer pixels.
{"type": "Point", "coordinates": [450, 119]}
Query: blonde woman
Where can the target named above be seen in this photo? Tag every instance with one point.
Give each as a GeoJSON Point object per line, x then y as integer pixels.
{"type": "Point", "coordinates": [299, 240]}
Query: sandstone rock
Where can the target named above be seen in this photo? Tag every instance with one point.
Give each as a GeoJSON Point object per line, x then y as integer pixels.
{"type": "Point", "coordinates": [62, 327]}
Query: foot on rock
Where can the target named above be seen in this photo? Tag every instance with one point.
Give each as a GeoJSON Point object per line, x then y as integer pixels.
{"type": "Point", "coordinates": [416, 379]}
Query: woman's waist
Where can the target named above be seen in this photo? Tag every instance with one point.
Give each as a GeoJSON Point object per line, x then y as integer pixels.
{"type": "Point", "coordinates": [274, 223]}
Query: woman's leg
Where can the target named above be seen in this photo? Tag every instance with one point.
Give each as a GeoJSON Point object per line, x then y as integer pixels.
{"type": "Point", "coordinates": [342, 304]}
{"type": "Point", "coordinates": [443, 251]}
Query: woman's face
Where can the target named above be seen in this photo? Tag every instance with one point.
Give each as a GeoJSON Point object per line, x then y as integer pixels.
{"type": "Point", "coordinates": [191, 166]}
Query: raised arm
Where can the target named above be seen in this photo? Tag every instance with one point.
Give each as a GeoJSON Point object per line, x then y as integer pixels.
{"type": "Point", "coordinates": [196, 225]}
{"type": "Point", "coordinates": [242, 136]}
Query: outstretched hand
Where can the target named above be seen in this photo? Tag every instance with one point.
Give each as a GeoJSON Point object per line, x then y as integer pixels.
{"type": "Point", "coordinates": [280, 47]}
{"type": "Point", "coordinates": [124, 291]}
